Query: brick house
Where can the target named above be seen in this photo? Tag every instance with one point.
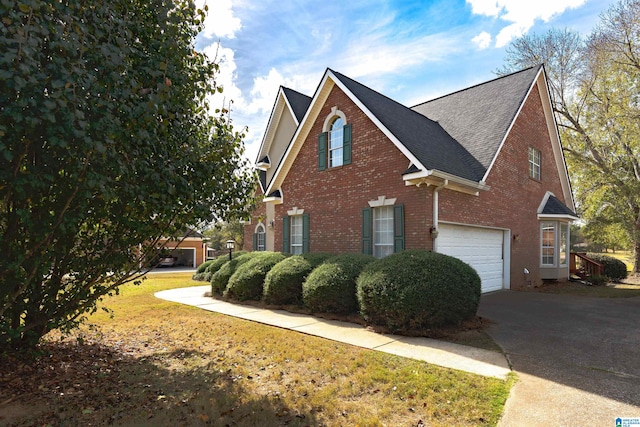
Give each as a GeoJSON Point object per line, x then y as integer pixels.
{"type": "Point", "coordinates": [478, 174]}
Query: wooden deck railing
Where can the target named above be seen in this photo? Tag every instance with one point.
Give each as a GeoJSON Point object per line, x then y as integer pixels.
{"type": "Point", "coordinates": [583, 266]}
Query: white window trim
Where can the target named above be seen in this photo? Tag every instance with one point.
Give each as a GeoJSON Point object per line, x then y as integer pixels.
{"type": "Point", "coordinates": [536, 166]}
{"type": "Point", "coordinates": [291, 234]}
{"type": "Point", "coordinates": [261, 229]}
{"type": "Point", "coordinates": [328, 121]}
{"type": "Point", "coordinates": [557, 226]}
{"type": "Point", "coordinates": [378, 253]}
{"type": "Point", "coordinates": [381, 201]}
{"type": "Point", "coordinates": [295, 211]}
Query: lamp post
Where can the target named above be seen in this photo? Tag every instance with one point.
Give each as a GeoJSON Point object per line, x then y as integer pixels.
{"type": "Point", "coordinates": [230, 245]}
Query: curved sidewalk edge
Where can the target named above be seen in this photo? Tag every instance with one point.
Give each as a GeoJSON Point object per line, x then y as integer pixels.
{"type": "Point", "coordinates": [441, 353]}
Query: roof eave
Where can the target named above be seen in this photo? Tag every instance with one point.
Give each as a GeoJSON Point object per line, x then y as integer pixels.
{"type": "Point", "coordinates": [558, 216]}
{"type": "Point", "coordinates": [446, 180]}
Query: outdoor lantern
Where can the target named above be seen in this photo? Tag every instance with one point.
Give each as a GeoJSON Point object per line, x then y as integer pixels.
{"type": "Point", "coordinates": [230, 245]}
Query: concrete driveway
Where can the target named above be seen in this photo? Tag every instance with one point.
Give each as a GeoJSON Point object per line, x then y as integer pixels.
{"type": "Point", "coordinates": [578, 358]}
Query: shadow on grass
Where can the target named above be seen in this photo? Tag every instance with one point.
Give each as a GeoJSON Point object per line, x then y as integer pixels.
{"type": "Point", "coordinates": [92, 384]}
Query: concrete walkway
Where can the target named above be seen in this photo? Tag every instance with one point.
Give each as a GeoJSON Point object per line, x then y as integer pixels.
{"type": "Point", "coordinates": [441, 353]}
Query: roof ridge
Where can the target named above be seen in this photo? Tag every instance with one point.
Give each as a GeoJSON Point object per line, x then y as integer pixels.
{"type": "Point", "coordinates": [477, 85]}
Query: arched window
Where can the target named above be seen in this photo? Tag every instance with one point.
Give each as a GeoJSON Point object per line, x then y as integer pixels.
{"type": "Point", "coordinates": [336, 142]}
{"type": "Point", "coordinates": [259, 238]}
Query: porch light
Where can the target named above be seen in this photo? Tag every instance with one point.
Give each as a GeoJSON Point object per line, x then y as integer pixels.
{"type": "Point", "coordinates": [231, 244]}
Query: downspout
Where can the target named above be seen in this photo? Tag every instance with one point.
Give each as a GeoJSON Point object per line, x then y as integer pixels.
{"type": "Point", "coordinates": [434, 228]}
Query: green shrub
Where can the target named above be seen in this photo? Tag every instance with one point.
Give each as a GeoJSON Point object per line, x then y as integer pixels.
{"type": "Point", "coordinates": [331, 287]}
{"type": "Point", "coordinates": [614, 269]}
{"type": "Point", "coordinates": [199, 274]}
{"type": "Point", "coordinates": [219, 262]}
{"type": "Point", "coordinates": [283, 284]}
{"type": "Point", "coordinates": [418, 289]}
{"type": "Point", "coordinates": [597, 280]}
{"type": "Point", "coordinates": [220, 278]}
{"type": "Point", "coordinates": [204, 266]}
{"type": "Point", "coordinates": [247, 281]}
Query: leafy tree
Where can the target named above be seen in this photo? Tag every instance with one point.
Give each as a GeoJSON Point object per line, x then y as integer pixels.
{"type": "Point", "coordinates": [219, 233]}
{"type": "Point", "coordinates": [106, 145]}
{"type": "Point", "coordinates": [594, 85]}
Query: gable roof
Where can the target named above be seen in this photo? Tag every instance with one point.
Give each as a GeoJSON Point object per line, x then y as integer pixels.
{"type": "Point", "coordinates": [452, 140]}
{"type": "Point", "coordinates": [298, 102]}
{"type": "Point", "coordinates": [480, 116]}
{"type": "Point", "coordinates": [424, 138]}
{"type": "Point", "coordinates": [555, 207]}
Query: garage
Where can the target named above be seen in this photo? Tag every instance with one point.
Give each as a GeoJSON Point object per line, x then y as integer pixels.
{"type": "Point", "coordinates": [482, 248]}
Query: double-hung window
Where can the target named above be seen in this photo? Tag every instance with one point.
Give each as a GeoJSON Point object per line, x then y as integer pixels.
{"type": "Point", "coordinates": [382, 229]}
{"type": "Point", "coordinates": [334, 143]}
{"type": "Point", "coordinates": [554, 238]}
{"type": "Point", "coordinates": [336, 140]}
{"type": "Point", "coordinates": [295, 233]}
{"type": "Point", "coordinates": [259, 238]}
{"type": "Point", "coordinates": [534, 163]}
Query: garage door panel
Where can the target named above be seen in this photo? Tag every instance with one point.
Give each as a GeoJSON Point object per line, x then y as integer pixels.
{"type": "Point", "coordinates": [479, 247]}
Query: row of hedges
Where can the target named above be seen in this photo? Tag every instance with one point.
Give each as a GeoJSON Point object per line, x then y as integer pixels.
{"type": "Point", "coordinates": [405, 291]}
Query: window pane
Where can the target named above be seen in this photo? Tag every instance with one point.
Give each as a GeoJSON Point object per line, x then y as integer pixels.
{"type": "Point", "coordinates": [383, 231]}
{"type": "Point", "coordinates": [296, 234]}
{"type": "Point", "coordinates": [534, 163]}
{"type": "Point", "coordinates": [548, 241]}
{"type": "Point", "coordinates": [336, 138]}
{"type": "Point", "coordinates": [564, 232]}
{"type": "Point", "coordinates": [260, 237]}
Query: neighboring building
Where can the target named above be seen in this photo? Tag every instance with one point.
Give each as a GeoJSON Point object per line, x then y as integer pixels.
{"type": "Point", "coordinates": [478, 174]}
{"type": "Point", "coordinates": [188, 250]}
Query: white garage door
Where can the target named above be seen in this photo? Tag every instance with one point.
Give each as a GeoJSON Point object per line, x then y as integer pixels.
{"type": "Point", "coordinates": [482, 248]}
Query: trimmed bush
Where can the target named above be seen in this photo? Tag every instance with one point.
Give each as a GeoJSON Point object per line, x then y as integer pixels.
{"type": "Point", "coordinates": [219, 262]}
{"type": "Point", "coordinates": [331, 287]}
{"type": "Point", "coordinates": [220, 278]}
{"type": "Point", "coordinates": [199, 274]}
{"type": "Point", "coordinates": [248, 280]}
{"type": "Point", "coordinates": [614, 269]}
{"type": "Point", "coordinates": [418, 289]}
{"type": "Point", "coordinates": [283, 284]}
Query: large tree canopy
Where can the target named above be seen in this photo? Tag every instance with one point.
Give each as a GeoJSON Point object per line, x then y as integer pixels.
{"type": "Point", "coordinates": [595, 87]}
{"type": "Point", "coordinates": [106, 145]}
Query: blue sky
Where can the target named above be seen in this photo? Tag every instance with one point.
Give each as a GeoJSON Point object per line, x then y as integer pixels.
{"type": "Point", "coordinates": [409, 50]}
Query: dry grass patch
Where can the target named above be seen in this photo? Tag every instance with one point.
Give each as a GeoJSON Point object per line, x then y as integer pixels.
{"type": "Point", "coordinates": [160, 363]}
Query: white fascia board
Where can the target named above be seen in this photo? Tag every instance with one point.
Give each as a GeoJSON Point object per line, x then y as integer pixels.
{"type": "Point", "coordinates": [452, 182]}
{"type": "Point", "coordinates": [544, 201]}
{"type": "Point", "coordinates": [558, 216]}
{"type": "Point", "coordinates": [515, 117]}
{"type": "Point", "coordinates": [558, 153]}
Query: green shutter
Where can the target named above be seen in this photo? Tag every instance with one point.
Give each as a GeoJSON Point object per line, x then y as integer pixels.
{"type": "Point", "coordinates": [285, 235]}
{"type": "Point", "coordinates": [305, 233]}
{"type": "Point", "coordinates": [346, 145]}
{"type": "Point", "coordinates": [255, 241]}
{"type": "Point", "coordinates": [322, 151]}
{"type": "Point", "coordinates": [398, 228]}
{"type": "Point", "coordinates": [367, 231]}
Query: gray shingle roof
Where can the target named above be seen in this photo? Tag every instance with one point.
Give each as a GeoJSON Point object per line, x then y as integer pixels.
{"type": "Point", "coordinates": [555, 207]}
{"type": "Point", "coordinates": [423, 137]}
{"type": "Point", "coordinates": [298, 101]}
{"type": "Point", "coordinates": [478, 117]}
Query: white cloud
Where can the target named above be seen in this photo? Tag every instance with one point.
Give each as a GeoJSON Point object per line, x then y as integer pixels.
{"type": "Point", "coordinates": [482, 40]}
{"type": "Point", "coordinates": [520, 15]}
{"type": "Point", "coordinates": [220, 21]}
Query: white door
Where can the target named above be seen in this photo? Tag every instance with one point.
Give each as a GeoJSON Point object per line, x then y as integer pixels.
{"type": "Point", "coordinates": [482, 248]}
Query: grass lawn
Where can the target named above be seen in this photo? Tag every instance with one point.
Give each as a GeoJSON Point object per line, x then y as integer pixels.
{"type": "Point", "coordinates": [157, 363]}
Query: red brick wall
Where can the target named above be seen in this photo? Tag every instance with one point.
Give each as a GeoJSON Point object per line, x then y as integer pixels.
{"type": "Point", "coordinates": [334, 198]}
{"type": "Point", "coordinates": [513, 199]}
